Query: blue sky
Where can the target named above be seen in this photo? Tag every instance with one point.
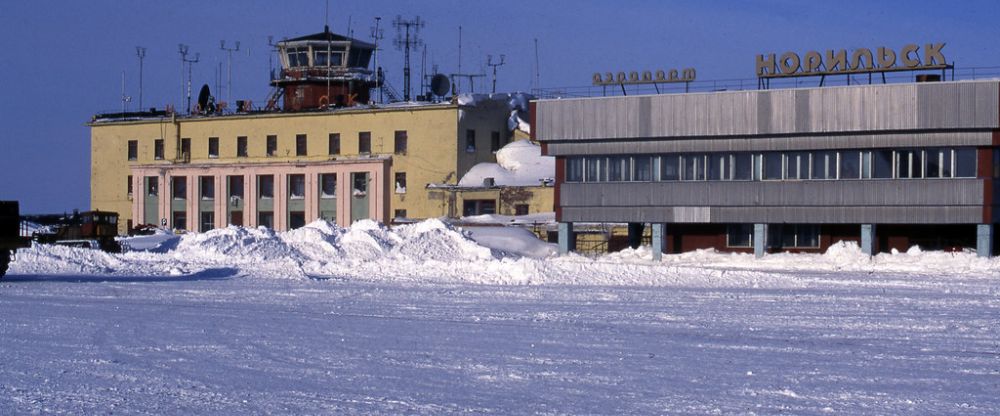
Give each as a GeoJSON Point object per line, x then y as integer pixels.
{"type": "Point", "coordinates": [64, 59]}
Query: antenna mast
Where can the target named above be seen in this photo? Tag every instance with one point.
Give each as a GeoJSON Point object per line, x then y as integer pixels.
{"type": "Point", "coordinates": [458, 87]}
{"type": "Point", "coordinates": [229, 83]}
{"type": "Point", "coordinates": [537, 70]}
{"type": "Point", "coordinates": [377, 35]}
{"type": "Point", "coordinates": [405, 40]}
{"type": "Point", "coordinates": [489, 61]}
{"type": "Point", "coordinates": [141, 53]}
{"type": "Point", "coordinates": [125, 98]}
{"type": "Point", "coordinates": [183, 49]}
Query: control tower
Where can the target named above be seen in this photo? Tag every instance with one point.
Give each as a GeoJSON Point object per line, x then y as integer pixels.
{"type": "Point", "coordinates": [324, 70]}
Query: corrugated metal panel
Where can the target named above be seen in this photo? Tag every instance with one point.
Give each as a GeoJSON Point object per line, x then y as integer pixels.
{"type": "Point", "coordinates": [853, 141]}
{"type": "Point", "coordinates": [867, 108]}
{"type": "Point", "coordinates": [777, 215]}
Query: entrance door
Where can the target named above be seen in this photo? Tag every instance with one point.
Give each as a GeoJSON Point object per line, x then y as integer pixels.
{"type": "Point", "coordinates": [359, 196]}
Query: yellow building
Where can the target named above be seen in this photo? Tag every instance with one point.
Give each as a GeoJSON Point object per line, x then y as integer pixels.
{"type": "Point", "coordinates": [284, 169]}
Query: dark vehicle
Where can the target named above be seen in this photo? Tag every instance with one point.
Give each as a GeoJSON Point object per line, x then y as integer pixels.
{"type": "Point", "coordinates": [91, 229]}
{"type": "Point", "coordinates": [10, 233]}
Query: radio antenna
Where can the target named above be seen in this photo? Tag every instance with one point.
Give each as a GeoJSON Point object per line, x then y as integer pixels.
{"type": "Point", "coordinates": [407, 36]}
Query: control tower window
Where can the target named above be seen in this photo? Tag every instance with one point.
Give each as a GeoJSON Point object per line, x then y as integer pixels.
{"type": "Point", "coordinates": [298, 57]}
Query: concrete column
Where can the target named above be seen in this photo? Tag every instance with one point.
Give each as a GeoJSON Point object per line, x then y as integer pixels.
{"type": "Point", "coordinates": [759, 240]}
{"type": "Point", "coordinates": [868, 239]}
{"type": "Point", "coordinates": [659, 237]}
{"type": "Point", "coordinates": [635, 230]}
{"type": "Point", "coordinates": [567, 238]}
{"type": "Point", "coordinates": [984, 240]}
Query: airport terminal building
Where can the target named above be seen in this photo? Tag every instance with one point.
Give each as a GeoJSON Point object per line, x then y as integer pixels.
{"type": "Point", "coordinates": [886, 165]}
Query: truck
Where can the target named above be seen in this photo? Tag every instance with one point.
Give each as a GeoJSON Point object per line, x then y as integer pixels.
{"type": "Point", "coordinates": [91, 229]}
{"type": "Point", "coordinates": [10, 234]}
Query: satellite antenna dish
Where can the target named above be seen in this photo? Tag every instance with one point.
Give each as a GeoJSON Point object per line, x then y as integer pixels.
{"type": "Point", "coordinates": [204, 97]}
{"type": "Point", "coordinates": [440, 85]}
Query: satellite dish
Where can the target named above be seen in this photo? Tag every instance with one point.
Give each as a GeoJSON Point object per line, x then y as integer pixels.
{"type": "Point", "coordinates": [204, 97]}
{"type": "Point", "coordinates": [440, 85]}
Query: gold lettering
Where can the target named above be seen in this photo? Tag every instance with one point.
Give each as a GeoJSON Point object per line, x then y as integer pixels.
{"type": "Point", "coordinates": [789, 63]}
{"type": "Point", "coordinates": [813, 61]}
{"type": "Point", "coordinates": [609, 78]}
{"type": "Point", "coordinates": [688, 74]}
{"type": "Point", "coordinates": [647, 76]}
{"type": "Point", "coordinates": [857, 61]}
{"type": "Point", "coordinates": [597, 78]}
{"type": "Point", "coordinates": [672, 75]}
{"type": "Point", "coordinates": [932, 54]}
{"type": "Point", "coordinates": [765, 65]}
{"type": "Point", "coordinates": [622, 78]}
{"type": "Point", "coordinates": [660, 76]}
{"type": "Point", "coordinates": [908, 60]}
{"type": "Point", "coordinates": [633, 76]}
{"type": "Point", "coordinates": [886, 57]}
{"type": "Point", "coordinates": [836, 61]}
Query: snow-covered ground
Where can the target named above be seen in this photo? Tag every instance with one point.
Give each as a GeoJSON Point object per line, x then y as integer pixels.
{"type": "Point", "coordinates": [428, 319]}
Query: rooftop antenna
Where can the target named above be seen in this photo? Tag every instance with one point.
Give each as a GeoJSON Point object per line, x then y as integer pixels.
{"type": "Point", "coordinates": [125, 98]}
{"type": "Point", "coordinates": [141, 53]}
{"type": "Point", "coordinates": [457, 86]}
{"type": "Point", "coordinates": [423, 71]}
{"type": "Point", "coordinates": [270, 56]}
{"type": "Point", "coordinates": [229, 83]}
{"type": "Point", "coordinates": [377, 35]}
{"type": "Point", "coordinates": [405, 40]}
{"type": "Point", "coordinates": [489, 61]}
{"type": "Point", "coordinates": [537, 70]}
{"type": "Point", "coordinates": [183, 49]}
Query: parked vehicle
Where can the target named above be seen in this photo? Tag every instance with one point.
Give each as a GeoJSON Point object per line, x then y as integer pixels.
{"type": "Point", "coordinates": [10, 234]}
{"type": "Point", "coordinates": [91, 229]}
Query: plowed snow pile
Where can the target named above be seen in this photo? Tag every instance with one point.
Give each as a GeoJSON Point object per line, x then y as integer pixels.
{"type": "Point", "coordinates": [435, 251]}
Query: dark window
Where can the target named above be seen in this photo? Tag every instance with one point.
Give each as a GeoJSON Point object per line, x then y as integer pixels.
{"type": "Point", "coordinates": [521, 209]}
{"type": "Point", "coordinates": [743, 167]}
{"type": "Point", "coordinates": [153, 186]}
{"type": "Point", "coordinates": [360, 183]}
{"type": "Point", "coordinates": [265, 186]}
{"type": "Point", "coordinates": [494, 141]}
{"type": "Point", "coordinates": [593, 173]}
{"type": "Point", "coordinates": [670, 168]}
{"type": "Point", "coordinates": [328, 185]}
{"type": "Point", "coordinates": [996, 163]}
{"type": "Point", "coordinates": [772, 166]}
{"type": "Point", "coordinates": [797, 165]}
{"type": "Point", "coordinates": [334, 144]}
{"type": "Point", "coordinates": [796, 235]}
{"type": "Point", "coordinates": [296, 219]}
{"type": "Point", "coordinates": [296, 186]}
{"type": "Point", "coordinates": [300, 145]}
{"type": "Point", "coordinates": [479, 207]}
{"type": "Point", "coordinates": [400, 148]}
{"type": "Point", "coordinates": [399, 213]}
{"type": "Point", "coordinates": [213, 147]}
{"type": "Point", "coordinates": [207, 187]}
{"type": "Point", "coordinates": [241, 146]}
{"type": "Point", "coordinates": [616, 169]}
{"type": "Point", "coordinates": [180, 220]}
{"type": "Point", "coordinates": [128, 186]}
{"type": "Point", "coordinates": [824, 165]}
{"type": "Point", "coordinates": [719, 167]}
{"type": "Point", "coordinates": [133, 149]}
{"type": "Point", "coordinates": [470, 140]}
{"type": "Point", "coordinates": [364, 142]}
{"type": "Point", "coordinates": [642, 167]}
{"type": "Point", "coordinates": [574, 169]}
{"type": "Point", "coordinates": [965, 162]}
{"type": "Point", "coordinates": [739, 235]}
{"type": "Point", "coordinates": [186, 149]}
{"type": "Point", "coordinates": [265, 219]}
{"type": "Point", "coordinates": [236, 186]}
{"type": "Point", "coordinates": [272, 145]}
{"type": "Point", "coordinates": [178, 185]}
{"type": "Point", "coordinates": [400, 182]}
{"type": "Point", "coordinates": [158, 149]}
{"type": "Point", "coordinates": [882, 164]}
{"type": "Point", "coordinates": [207, 221]}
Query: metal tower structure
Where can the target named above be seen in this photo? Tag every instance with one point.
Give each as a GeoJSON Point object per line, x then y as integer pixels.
{"type": "Point", "coordinates": [183, 49]}
{"type": "Point", "coordinates": [489, 61]}
{"type": "Point", "coordinates": [229, 83]}
{"type": "Point", "coordinates": [407, 36]}
{"type": "Point", "coordinates": [141, 53]}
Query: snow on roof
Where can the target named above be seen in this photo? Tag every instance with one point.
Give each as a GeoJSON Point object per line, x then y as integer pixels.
{"type": "Point", "coordinates": [519, 163]}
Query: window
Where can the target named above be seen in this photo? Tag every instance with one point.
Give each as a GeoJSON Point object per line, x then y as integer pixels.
{"type": "Point", "coordinates": [642, 169]}
{"type": "Point", "coordinates": [400, 139]}
{"type": "Point", "coordinates": [797, 165]}
{"type": "Point", "coordinates": [328, 185]}
{"type": "Point", "coordinates": [521, 209]}
{"type": "Point", "coordinates": [360, 183]}
{"type": "Point", "coordinates": [178, 186]}
{"type": "Point", "coordinates": [670, 169]}
{"type": "Point", "coordinates": [300, 145]}
{"type": "Point", "coordinates": [399, 213]}
{"type": "Point", "coordinates": [235, 187]}
{"type": "Point", "coordinates": [297, 186]}
{"type": "Point", "coordinates": [617, 169]}
{"type": "Point", "coordinates": [824, 165]}
{"type": "Point", "coordinates": [241, 146]}
{"type": "Point", "coordinates": [158, 149]}
{"type": "Point", "coordinates": [296, 219]}
{"type": "Point", "coordinates": [207, 221]}
{"type": "Point", "coordinates": [333, 144]}
{"type": "Point", "coordinates": [133, 149]}
{"type": "Point", "coordinates": [180, 220]}
{"type": "Point", "coordinates": [265, 186]}
{"type": "Point", "coordinates": [796, 235]}
{"type": "Point", "coordinates": [207, 187]}
{"type": "Point", "coordinates": [494, 141]}
{"type": "Point", "coordinates": [152, 186]}
{"type": "Point", "coordinates": [593, 172]}
{"type": "Point", "coordinates": [479, 207]}
{"type": "Point", "coordinates": [272, 145]}
{"type": "Point", "coordinates": [298, 57]}
{"type": "Point", "coordinates": [213, 147]}
{"type": "Point", "coordinates": [772, 166]}
{"type": "Point", "coordinates": [882, 164]}
{"type": "Point", "coordinates": [935, 162]}
{"type": "Point", "coordinates": [265, 219]}
{"type": "Point", "coordinates": [186, 149]}
{"type": "Point", "coordinates": [742, 166]}
{"type": "Point", "coordinates": [574, 169]}
{"type": "Point", "coordinates": [365, 142]}
{"type": "Point", "coordinates": [470, 140]}
{"type": "Point", "coordinates": [719, 167]}
{"type": "Point", "coordinates": [739, 235]}
{"type": "Point", "coordinates": [400, 182]}
{"type": "Point", "coordinates": [908, 164]}
{"type": "Point", "coordinates": [128, 187]}
{"type": "Point", "coordinates": [965, 162]}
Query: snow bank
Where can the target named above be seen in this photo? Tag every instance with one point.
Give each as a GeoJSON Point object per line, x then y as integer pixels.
{"type": "Point", "coordinates": [519, 163]}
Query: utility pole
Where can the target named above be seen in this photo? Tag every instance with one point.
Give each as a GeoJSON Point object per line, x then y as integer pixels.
{"type": "Point", "coordinates": [489, 61]}
{"type": "Point", "coordinates": [141, 53]}
{"type": "Point", "coordinates": [377, 35]}
{"type": "Point", "coordinates": [404, 40]}
{"type": "Point", "coordinates": [229, 83]}
{"type": "Point", "coordinates": [183, 49]}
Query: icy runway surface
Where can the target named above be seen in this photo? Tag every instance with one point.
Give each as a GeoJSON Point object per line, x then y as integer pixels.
{"type": "Point", "coordinates": [222, 342]}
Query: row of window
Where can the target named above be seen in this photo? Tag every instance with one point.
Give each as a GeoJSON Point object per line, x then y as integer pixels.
{"type": "Point", "coordinates": [778, 235]}
{"type": "Point", "coordinates": [400, 145]}
{"type": "Point", "coordinates": [943, 162]}
{"type": "Point", "coordinates": [265, 186]}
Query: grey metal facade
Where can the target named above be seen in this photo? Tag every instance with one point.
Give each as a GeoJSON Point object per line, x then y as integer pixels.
{"type": "Point", "coordinates": [856, 117]}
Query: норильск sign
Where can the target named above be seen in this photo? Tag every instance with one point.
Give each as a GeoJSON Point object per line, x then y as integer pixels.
{"type": "Point", "coordinates": [861, 60]}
